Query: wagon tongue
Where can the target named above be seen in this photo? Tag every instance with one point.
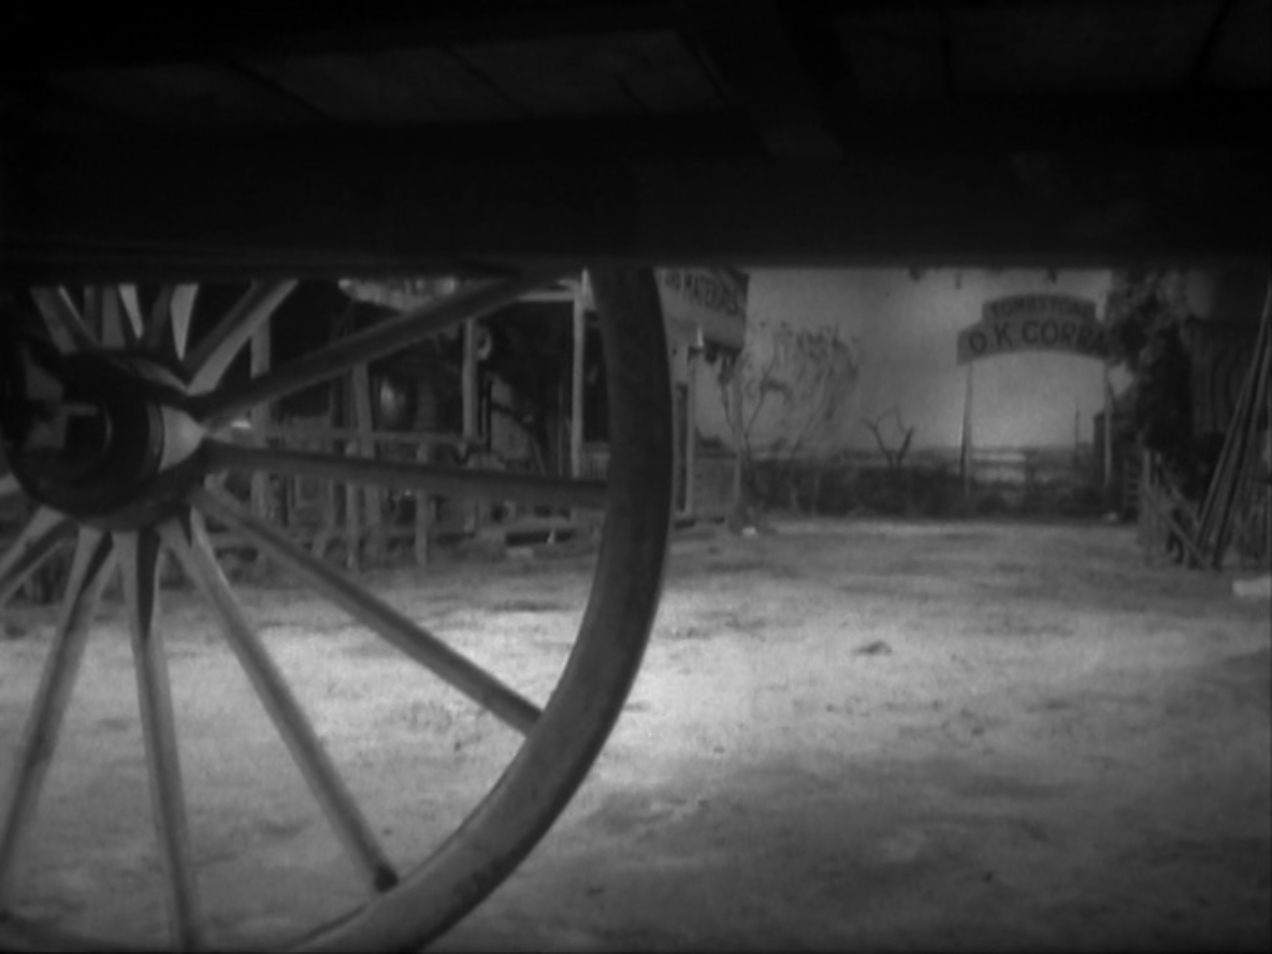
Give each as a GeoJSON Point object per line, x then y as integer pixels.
{"type": "Point", "coordinates": [100, 436]}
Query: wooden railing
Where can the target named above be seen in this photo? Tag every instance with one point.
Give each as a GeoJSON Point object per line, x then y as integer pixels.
{"type": "Point", "coordinates": [321, 513]}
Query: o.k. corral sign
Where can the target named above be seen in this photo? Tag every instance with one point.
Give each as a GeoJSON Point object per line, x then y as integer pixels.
{"type": "Point", "coordinates": [1037, 322]}
{"type": "Point", "coordinates": [1034, 323]}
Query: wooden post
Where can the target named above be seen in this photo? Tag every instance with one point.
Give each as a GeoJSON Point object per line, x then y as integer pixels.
{"type": "Point", "coordinates": [469, 395]}
{"type": "Point", "coordinates": [329, 520]}
{"type": "Point", "coordinates": [576, 386]}
{"type": "Point", "coordinates": [691, 428]}
{"type": "Point", "coordinates": [365, 447]}
{"type": "Point", "coordinates": [423, 513]}
{"type": "Point", "coordinates": [966, 463]}
{"type": "Point", "coordinates": [353, 500]}
{"type": "Point", "coordinates": [1077, 437]}
{"type": "Point", "coordinates": [1147, 514]}
{"type": "Point", "coordinates": [740, 504]}
{"type": "Point", "coordinates": [260, 420]}
{"type": "Point", "coordinates": [1108, 438]}
{"type": "Point", "coordinates": [1267, 477]}
{"type": "Point", "coordinates": [577, 403]}
{"type": "Point", "coordinates": [679, 403]}
{"type": "Point", "coordinates": [322, 538]}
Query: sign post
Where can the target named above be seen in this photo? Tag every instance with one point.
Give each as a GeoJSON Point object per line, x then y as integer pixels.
{"type": "Point", "coordinates": [965, 449]}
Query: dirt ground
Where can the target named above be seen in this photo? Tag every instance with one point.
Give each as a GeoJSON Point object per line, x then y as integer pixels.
{"type": "Point", "coordinates": [847, 736]}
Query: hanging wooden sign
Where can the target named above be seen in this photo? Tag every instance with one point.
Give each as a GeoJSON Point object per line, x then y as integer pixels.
{"type": "Point", "coordinates": [1036, 322]}
{"type": "Point", "coordinates": [706, 305]}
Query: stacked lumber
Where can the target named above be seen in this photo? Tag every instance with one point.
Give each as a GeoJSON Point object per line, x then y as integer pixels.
{"type": "Point", "coordinates": [1239, 490]}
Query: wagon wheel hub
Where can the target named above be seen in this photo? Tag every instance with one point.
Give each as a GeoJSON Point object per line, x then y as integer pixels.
{"type": "Point", "coordinates": [107, 441]}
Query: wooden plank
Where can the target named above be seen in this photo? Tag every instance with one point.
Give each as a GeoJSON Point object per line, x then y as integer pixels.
{"type": "Point", "coordinates": [330, 521]}
{"type": "Point", "coordinates": [577, 364]}
{"type": "Point", "coordinates": [468, 384]}
{"type": "Point", "coordinates": [352, 497]}
{"type": "Point", "coordinates": [289, 431]}
{"type": "Point", "coordinates": [750, 46]}
{"type": "Point", "coordinates": [662, 74]}
{"type": "Point", "coordinates": [550, 77]}
{"type": "Point", "coordinates": [423, 516]}
{"type": "Point", "coordinates": [614, 74]}
{"type": "Point", "coordinates": [883, 64]}
{"type": "Point", "coordinates": [691, 431]}
{"type": "Point", "coordinates": [262, 504]}
{"type": "Point", "coordinates": [1160, 507]}
{"type": "Point", "coordinates": [372, 496]}
{"type": "Point", "coordinates": [387, 87]}
{"type": "Point", "coordinates": [1041, 47]}
{"type": "Point", "coordinates": [230, 539]}
{"type": "Point", "coordinates": [186, 95]}
{"type": "Point", "coordinates": [107, 36]}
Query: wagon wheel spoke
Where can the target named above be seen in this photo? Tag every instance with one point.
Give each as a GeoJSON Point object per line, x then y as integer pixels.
{"type": "Point", "coordinates": [219, 407]}
{"type": "Point", "coordinates": [35, 752]}
{"type": "Point", "coordinates": [330, 790]}
{"type": "Point", "coordinates": [425, 648]}
{"type": "Point", "coordinates": [131, 304]}
{"type": "Point", "coordinates": [182, 313]}
{"type": "Point", "coordinates": [157, 321]}
{"type": "Point", "coordinates": [65, 324]}
{"type": "Point", "coordinates": [138, 554]}
{"type": "Point", "coordinates": [402, 475]}
{"type": "Point", "coordinates": [121, 324]}
{"type": "Point", "coordinates": [166, 328]}
{"type": "Point", "coordinates": [39, 539]}
{"type": "Point", "coordinates": [91, 311]}
{"type": "Point", "coordinates": [212, 357]}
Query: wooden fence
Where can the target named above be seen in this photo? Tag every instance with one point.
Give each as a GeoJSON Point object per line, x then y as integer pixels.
{"type": "Point", "coordinates": [364, 520]}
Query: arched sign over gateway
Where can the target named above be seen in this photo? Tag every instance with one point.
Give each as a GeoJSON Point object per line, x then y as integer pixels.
{"type": "Point", "coordinates": [1036, 322]}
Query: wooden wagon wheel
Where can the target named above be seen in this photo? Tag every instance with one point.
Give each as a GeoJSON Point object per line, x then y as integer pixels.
{"type": "Point", "coordinates": [132, 482]}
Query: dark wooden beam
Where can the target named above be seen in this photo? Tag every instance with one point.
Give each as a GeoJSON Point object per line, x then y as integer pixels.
{"type": "Point", "coordinates": [1168, 119]}
{"type": "Point", "coordinates": [749, 47]}
{"type": "Point", "coordinates": [374, 205]}
{"type": "Point", "coordinates": [1206, 50]}
{"type": "Point", "coordinates": [40, 36]}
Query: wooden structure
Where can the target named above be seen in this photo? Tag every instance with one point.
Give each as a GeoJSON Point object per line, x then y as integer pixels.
{"type": "Point", "coordinates": [514, 141]}
{"type": "Point", "coordinates": [360, 519]}
{"type": "Point", "coordinates": [1237, 507]}
{"type": "Point", "coordinates": [1239, 498]}
{"type": "Point", "coordinates": [363, 524]}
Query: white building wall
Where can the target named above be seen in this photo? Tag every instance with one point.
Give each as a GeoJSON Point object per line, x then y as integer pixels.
{"type": "Point", "coordinates": [903, 327]}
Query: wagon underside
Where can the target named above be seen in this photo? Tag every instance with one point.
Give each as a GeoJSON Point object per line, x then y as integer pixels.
{"type": "Point", "coordinates": [478, 135]}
